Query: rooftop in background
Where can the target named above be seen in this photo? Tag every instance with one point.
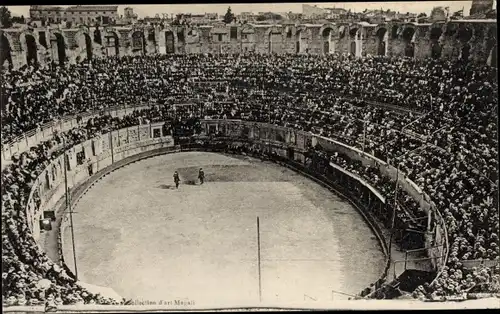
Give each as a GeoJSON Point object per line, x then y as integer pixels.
{"type": "Point", "coordinates": [93, 8]}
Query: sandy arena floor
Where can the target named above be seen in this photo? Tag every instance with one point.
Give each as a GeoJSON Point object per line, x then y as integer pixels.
{"type": "Point", "coordinates": [149, 242]}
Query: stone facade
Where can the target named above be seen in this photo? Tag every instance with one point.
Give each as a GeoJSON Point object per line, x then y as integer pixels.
{"type": "Point", "coordinates": [474, 40]}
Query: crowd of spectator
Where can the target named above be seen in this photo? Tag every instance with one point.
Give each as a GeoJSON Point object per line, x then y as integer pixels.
{"type": "Point", "coordinates": [433, 119]}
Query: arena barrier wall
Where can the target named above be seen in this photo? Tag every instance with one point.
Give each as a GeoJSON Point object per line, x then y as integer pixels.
{"type": "Point", "coordinates": [98, 154]}
{"type": "Point", "coordinates": [118, 148]}
{"type": "Point", "coordinates": [84, 160]}
{"type": "Point", "coordinates": [437, 245]}
{"type": "Point", "coordinates": [34, 137]}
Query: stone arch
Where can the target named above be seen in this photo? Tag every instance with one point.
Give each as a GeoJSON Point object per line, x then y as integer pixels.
{"type": "Point", "coordinates": [492, 57]}
{"type": "Point", "coordinates": [29, 45]}
{"type": "Point", "coordinates": [465, 52]}
{"type": "Point", "coordinates": [450, 29]}
{"type": "Point", "coordinates": [151, 36]}
{"type": "Point", "coordinates": [97, 36]}
{"type": "Point", "coordinates": [247, 37]}
{"type": "Point", "coordinates": [138, 42]}
{"type": "Point", "coordinates": [169, 37]}
{"type": "Point", "coordinates": [58, 47]}
{"type": "Point", "coordinates": [151, 44]}
{"type": "Point", "coordinates": [355, 41]}
{"type": "Point", "coordinates": [112, 44]}
{"type": "Point", "coordinates": [275, 38]}
{"type": "Point", "coordinates": [408, 35]}
{"type": "Point", "coordinates": [435, 40]}
{"type": "Point", "coordinates": [88, 46]}
{"type": "Point", "coordinates": [382, 41]}
{"type": "Point", "coordinates": [395, 32]}
{"type": "Point", "coordinates": [464, 34]}
{"type": "Point", "coordinates": [327, 35]}
{"type": "Point", "coordinates": [288, 32]}
{"type": "Point", "coordinates": [298, 40]}
{"type": "Point", "coordinates": [193, 32]}
{"type": "Point", "coordinates": [6, 50]}
{"type": "Point", "coordinates": [84, 43]}
{"type": "Point", "coordinates": [491, 47]}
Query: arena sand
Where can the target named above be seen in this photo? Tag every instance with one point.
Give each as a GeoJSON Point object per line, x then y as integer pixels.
{"type": "Point", "coordinates": [137, 234]}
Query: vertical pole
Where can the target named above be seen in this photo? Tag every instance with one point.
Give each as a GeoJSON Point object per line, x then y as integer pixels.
{"type": "Point", "coordinates": [68, 206]}
{"type": "Point", "coordinates": [406, 258]}
{"type": "Point", "coordinates": [111, 146]}
{"type": "Point", "coordinates": [394, 210]}
{"type": "Point", "coordinates": [258, 258]}
{"type": "Point", "coordinates": [364, 135]}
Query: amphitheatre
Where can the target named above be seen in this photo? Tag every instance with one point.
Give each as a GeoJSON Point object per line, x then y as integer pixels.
{"type": "Point", "coordinates": [367, 154]}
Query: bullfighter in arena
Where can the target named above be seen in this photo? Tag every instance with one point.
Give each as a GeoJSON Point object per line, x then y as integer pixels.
{"type": "Point", "coordinates": [176, 179]}
{"type": "Point", "coordinates": [201, 176]}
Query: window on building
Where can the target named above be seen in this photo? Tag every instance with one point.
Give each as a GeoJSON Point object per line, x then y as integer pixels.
{"type": "Point", "coordinates": [234, 33]}
{"type": "Point", "coordinates": [244, 36]}
{"type": "Point", "coordinates": [220, 37]}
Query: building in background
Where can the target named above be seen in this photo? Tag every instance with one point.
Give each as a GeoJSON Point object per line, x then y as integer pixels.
{"type": "Point", "coordinates": [212, 16]}
{"type": "Point", "coordinates": [438, 14]}
{"type": "Point", "coordinates": [76, 14]}
{"type": "Point", "coordinates": [246, 16]}
{"type": "Point", "coordinates": [128, 16]}
{"type": "Point", "coordinates": [48, 13]}
{"type": "Point", "coordinates": [294, 16]}
{"type": "Point", "coordinates": [481, 6]}
{"type": "Point", "coordinates": [335, 13]}
{"type": "Point", "coordinates": [313, 12]}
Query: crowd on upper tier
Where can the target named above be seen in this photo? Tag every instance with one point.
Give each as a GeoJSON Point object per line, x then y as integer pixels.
{"type": "Point", "coordinates": [444, 137]}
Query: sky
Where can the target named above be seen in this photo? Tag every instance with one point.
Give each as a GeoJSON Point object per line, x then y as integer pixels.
{"type": "Point", "coordinates": [409, 6]}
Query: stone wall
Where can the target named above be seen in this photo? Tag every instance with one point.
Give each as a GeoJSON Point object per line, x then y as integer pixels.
{"type": "Point", "coordinates": [218, 38]}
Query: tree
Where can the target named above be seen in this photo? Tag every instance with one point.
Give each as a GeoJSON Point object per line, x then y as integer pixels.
{"type": "Point", "coordinates": [422, 15]}
{"type": "Point", "coordinates": [229, 16]}
{"type": "Point", "coordinates": [5, 17]}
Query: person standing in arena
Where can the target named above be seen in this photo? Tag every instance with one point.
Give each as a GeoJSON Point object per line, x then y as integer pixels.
{"type": "Point", "coordinates": [201, 176]}
{"type": "Point", "coordinates": [176, 179]}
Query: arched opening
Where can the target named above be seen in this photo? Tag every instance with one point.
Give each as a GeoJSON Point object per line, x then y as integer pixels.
{"type": "Point", "coordinates": [352, 49]}
{"type": "Point", "coordinates": [5, 51]}
{"type": "Point", "coordinates": [436, 47]}
{"type": "Point", "coordinates": [382, 37]}
{"type": "Point", "coordinates": [138, 43]}
{"type": "Point", "coordinates": [492, 58]}
{"type": "Point", "coordinates": [465, 53]}
{"type": "Point", "coordinates": [491, 47]}
{"type": "Point", "coordinates": [31, 50]}
{"type": "Point", "coordinates": [169, 42]}
{"type": "Point", "coordinates": [464, 35]}
{"type": "Point", "coordinates": [298, 40]}
{"type": "Point", "coordinates": [342, 31]}
{"type": "Point", "coordinates": [59, 54]}
{"type": "Point", "coordinates": [97, 37]}
{"type": "Point", "coordinates": [409, 40]}
{"type": "Point", "coordinates": [275, 41]}
{"type": "Point", "coordinates": [353, 35]}
{"type": "Point", "coordinates": [112, 44]}
{"type": "Point", "coordinates": [327, 41]}
{"type": "Point", "coordinates": [152, 39]}
{"type": "Point", "coordinates": [88, 46]}
{"type": "Point", "coordinates": [395, 32]}
{"type": "Point", "coordinates": [270, 42]}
